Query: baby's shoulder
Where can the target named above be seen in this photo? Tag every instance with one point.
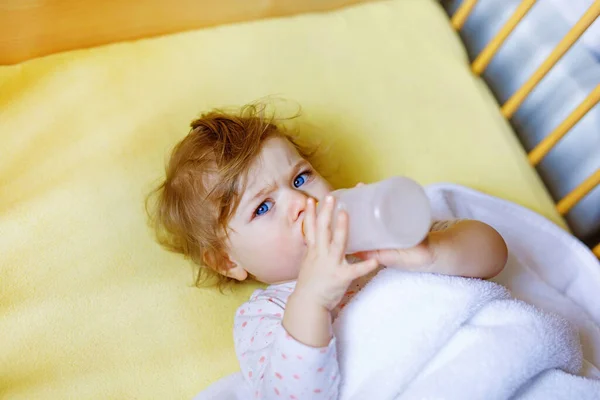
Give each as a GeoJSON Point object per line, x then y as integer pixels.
{"type": "Point", "coordinates": [269, 297]}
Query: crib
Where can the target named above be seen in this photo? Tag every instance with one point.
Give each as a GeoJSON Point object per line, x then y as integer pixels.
{"type": "Point", "coordinates": [93, 96]}
{"type": "Point", "coordinates": [539, 151]}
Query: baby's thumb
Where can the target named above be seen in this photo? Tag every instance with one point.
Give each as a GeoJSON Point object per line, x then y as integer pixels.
{"type": "Point", "coordinates": [366, 255]}
{"type": "Point", "coordinates": [362, 268]}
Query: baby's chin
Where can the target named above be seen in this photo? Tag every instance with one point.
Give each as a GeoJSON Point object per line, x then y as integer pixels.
{"type": "Point", "coordinates": [286, 273]}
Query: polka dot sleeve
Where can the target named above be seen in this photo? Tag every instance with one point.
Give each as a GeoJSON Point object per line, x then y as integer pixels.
{"type": "Point", "coordinates": [275, 364]}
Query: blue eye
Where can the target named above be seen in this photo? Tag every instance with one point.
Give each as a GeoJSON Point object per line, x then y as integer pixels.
{"type": "Point", "coordinates": [263, 208]}
{"type": "Point", "coordinates": [301, 179]}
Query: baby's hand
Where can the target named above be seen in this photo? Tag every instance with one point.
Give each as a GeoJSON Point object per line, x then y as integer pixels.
{"type": "Point", "coordinates": [467, 248]}
{"type": "Point", "coordinates": [325, 275]}
{"type": "Point", "coordinates": [418, 258]}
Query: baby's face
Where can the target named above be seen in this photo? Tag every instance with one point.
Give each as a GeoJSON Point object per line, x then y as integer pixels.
{"type": "Point", "coordinates": [265, 235]}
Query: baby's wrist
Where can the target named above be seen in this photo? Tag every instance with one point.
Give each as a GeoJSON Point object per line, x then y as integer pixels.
{"type": "Point", "coordinates": [309, 299]}
{"type": "Point", "coordinates": [307, 321]}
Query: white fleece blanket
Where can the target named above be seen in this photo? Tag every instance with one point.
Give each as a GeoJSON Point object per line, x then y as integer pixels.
{"type": "Point", "coordinates": [423, 336]}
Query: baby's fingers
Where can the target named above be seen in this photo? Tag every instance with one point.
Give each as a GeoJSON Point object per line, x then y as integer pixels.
{"type": "Point", "coordinates": [361, 268]}
{"type": "Point", "coordinates": [309, 222]}
{"type": "Point", "coordinates": [340, 234]}
{"type": "Point", "coordinates": [323, 234]}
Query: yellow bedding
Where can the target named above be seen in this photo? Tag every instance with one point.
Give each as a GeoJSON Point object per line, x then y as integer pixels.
{"type": "Point", "coordinates": [90, 306]}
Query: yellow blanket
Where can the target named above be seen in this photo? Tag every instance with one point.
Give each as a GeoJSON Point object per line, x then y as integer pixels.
{"type": "Point", "coordinates": [91, 307]}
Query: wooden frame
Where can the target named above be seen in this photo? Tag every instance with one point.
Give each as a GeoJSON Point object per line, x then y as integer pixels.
{"type": "Point", "coordinates": [33, 28]}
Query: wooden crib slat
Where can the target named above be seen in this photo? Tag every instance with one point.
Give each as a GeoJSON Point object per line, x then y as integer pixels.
{"type": "Point", "coordinates": [460, 16]}
{"type": "Point", "coordinates": [539, 152]}
{"type": "Point", "coordinates": [596, 250]}
{"type": "Point", "coordinates": [571, 199]}
{"type": "Point", "coordinates": [511, 106]}
{"type": "Point", "coordinates": [486, 55]}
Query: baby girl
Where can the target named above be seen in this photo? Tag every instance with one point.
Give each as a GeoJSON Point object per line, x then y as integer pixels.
{"type": "Point", "coordinates": [238, 190]}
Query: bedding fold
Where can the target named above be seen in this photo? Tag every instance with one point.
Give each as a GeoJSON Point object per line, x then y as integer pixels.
{"type": "Point", "coordinates": [417, 336]}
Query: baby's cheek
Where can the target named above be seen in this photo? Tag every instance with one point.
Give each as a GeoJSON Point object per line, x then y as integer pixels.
{"type": "Point", "coordinates": [285, 255]}
{"type": "Point", "coordinates": [284, 246]}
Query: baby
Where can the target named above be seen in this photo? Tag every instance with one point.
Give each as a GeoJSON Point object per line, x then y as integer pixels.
{"type": "Point", "coordinates": [238, 189]}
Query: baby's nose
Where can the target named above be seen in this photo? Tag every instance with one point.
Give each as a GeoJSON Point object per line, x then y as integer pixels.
{"type": "Point", "coordinates": [297, 206]}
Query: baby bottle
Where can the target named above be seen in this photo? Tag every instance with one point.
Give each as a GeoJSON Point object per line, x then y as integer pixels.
{"type": "Point", "coordinates": [390, 214]}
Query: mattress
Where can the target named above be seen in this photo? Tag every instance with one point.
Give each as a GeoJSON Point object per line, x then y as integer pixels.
{"type": "Point", "coordinates": [91, 306]}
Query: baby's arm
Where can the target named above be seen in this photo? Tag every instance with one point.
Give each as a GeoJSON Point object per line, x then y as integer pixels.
{"type": "Point", "coordinates": [288, 349]}
{"type": "Point", "coordinates": [465, 248]}
{"type": "Point", "coordinates": [276, 365]}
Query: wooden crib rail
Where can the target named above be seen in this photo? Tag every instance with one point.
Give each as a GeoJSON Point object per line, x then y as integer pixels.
{"type": "Point", "coordinates": [514, 102]}
{"type": "Point", "coordinates": [539, 152]}
{"type": "Point", "coordinates": [570, 200]}
{"type": "Point", "coordinates": [486, 55]}
{"type": "Point", "coordinates": [33, 28]}
{"type": "Point", "coordinates": [460, 16]}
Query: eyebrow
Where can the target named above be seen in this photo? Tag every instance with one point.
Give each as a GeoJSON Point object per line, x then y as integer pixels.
{"type": "Point", "coordinates": [262, 193]}
{"type": "Point", "coordinates": [302, 163]}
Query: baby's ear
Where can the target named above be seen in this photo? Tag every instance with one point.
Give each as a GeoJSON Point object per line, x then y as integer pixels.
{"type": "Point", "coordinates": [224, 265]}
{"type": "Point", "coordinates": [236, 272]}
